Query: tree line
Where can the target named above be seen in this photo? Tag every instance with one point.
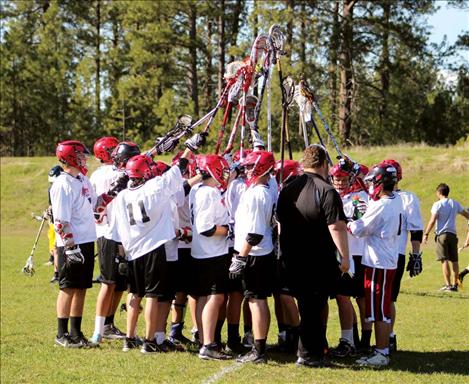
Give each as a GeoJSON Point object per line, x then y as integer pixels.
{"type": "Point", "coordinates": [83, 69]}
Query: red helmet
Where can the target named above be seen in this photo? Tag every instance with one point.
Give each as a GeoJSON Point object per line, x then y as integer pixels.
{"type": "Point", "coordinates": [73, 153]}
{"type": "Point", "coordinates": [338, 171]}
{"type": "Point", "coordinates": [190, 167]}
{"type": "Point", "coordinates": [139, 167]}
{"type": "Point", "coordinates": [291, 168]}
{"type": "Point", "coordinates": [158, 168]}
{"type": "Point", "coordinates": [260, 163]}
{"type": "Point", "coordinates": [214, 166]}
{"type": "Point", "coordinates": [103, 148]}
{"type": "Point", "coordinates": [123, 152]}
{"type": "Point", "coordinates": [396, 165]}
{"type": "Point", "coordinates": [381, 177]}
{"type": "Point", "coordinates": [237, 154]}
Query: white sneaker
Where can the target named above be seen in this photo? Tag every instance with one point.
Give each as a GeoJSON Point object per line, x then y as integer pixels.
{"type": "Point", "coordinates": [375, 360]}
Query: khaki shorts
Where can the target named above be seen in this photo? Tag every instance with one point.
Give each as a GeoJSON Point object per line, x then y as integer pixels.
{"type": "Point", "coordinates": [447, 247]}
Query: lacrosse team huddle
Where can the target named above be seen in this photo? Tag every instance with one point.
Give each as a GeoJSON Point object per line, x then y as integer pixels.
{"type": "Point", "coordinates": [223, 233]}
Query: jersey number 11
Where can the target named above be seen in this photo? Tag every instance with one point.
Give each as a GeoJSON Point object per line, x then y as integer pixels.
{"type": "Point", "coordinates": [130, 209]}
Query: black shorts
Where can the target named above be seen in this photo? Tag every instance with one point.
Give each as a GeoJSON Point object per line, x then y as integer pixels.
{"type": "Point", "coordinates": [148, 275]}
{"type": "Point", "coordinates": [396, 284]}
{"type": "Point", "coordinates": [211, 275]}
{"type": "Point", "coordinates": [258, 278]}
{"type": "Point", "coordinates": [280, 285]}
{"type": "Point", "coordinates": [108, 265]}
{"type": "Point", "coordinates": [76, 275]}
{"type": "Point", "coordinates": [359, 277]}
{"type": "Point", "coordinates": [180, 272]}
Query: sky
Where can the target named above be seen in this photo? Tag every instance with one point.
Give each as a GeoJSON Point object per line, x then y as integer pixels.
{"type": "Point", "coordinates": [450, 22]}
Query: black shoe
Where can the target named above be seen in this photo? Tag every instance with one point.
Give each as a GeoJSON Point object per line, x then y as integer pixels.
{"type": "Point", "coordinates": [344, 349]}
{"type": "Point", "coordinates": [210, 352]}
{"type": "Point", "coordinates": [169, 346]}
{"type": "Point", "coordinates": [130, 343]}
{"type": "Point", "coordinates": [179, 338]}
{"type": "Point", "coordinates": [253, 357]}
{"type": "Point", "coordinates": [453, 288]}
{"type": "Point", "coordinates": [81, 341]}
{"type": "Point", "coordinates": [462, 274]}
{"type": "Point", "coordinates": [392, 344]}
{"type": "Point", "coordinates": [63, 341]}
{"type": "Point", "coordinates": [150, 346]}
{"type": "Point", "coordinates": [235, 349]}
{"type": "Point", "coordinates": [111, 332]}
{"type": "Point", "coordinates": [313, 363]}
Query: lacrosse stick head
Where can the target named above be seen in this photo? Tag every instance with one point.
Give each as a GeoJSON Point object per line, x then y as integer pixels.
{"type": "Point", "coordinates": [28, 269]}
{"type": "Point", "coordinates": [250, 108]}
{"type": "Point", "coordinates": [232, 69]}
{"type": "Point", "coordinates": [184, 123]}
{"type": "Point", "coordinates": [259, 49]}
{"type": "Point", "coordinates": [277, 38]}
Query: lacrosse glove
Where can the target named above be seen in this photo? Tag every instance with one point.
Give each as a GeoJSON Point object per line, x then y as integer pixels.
{"type": "Point", "coordinates": [237, 266]}
{"type": "Point", "coordinates": [414, 265]}
{"type": "Point", "coordinates": [73, 255]}
{"type": "Point", "coordinates": [196, 141]}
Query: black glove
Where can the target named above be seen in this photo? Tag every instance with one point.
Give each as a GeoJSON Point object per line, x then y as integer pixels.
{"type": "Point", "coordinates": [414, 265]}
{"type": "Point", "coordinates": [168, 146]}
{"type": "Point", "coordinates": [118, 185]}
{"type": "Point", "coordinates": [196, 141]}
{"type": "Point", "coordinates": [123, 266]}
{"type": "Point", "coordinates": [237, 266]}
{"type": "Point", "coordinates": [73, 255]}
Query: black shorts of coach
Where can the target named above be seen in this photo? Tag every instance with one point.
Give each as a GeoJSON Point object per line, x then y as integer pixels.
{"type": "Point", "coordinates": [108, 265]}
{"type": "Point", "coordinates": [351, 286]}
{"type": "Point", "coordinates": [148, 276]}
{"type": "Point", "coordinates": [76, 275]}
{"type": "Point", "coordinates": [258, 276]}
{"type": "Point", "coordinates": [210, 275]}
{"type": "Point", "coordinates": [280, 282]}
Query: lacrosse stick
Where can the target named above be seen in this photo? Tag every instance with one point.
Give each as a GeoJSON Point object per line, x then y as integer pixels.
{"type": "Point", "coordinates": [288, 86]}
{"type": "Point", "coordinates": [28, 268]}
{"type": "Point", "coordinates": [182, 127]}
{"type": "Point", "coordinates": [250, 112]}
{"type": "Point", "coordinates": [234, 131]}
{"type": "Point", "coordinates": [248, 73]}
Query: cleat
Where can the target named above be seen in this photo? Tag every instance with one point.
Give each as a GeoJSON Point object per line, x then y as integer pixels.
{"type": "Point", "coordinates": [453, 288]}
{"type": "Point", "coordinates": [150, 346]}
{"type": "Point", "coordinates": [111, 332]}
{"type": "Point", "coordinates": [445, 288]}
{"type": "Point", "coordinates": [95, 340]}
{"type": "Point", "coordinates": [169, 346]}
{"type": "Point", "coordinates": [253, 357]}
{"type": "Point", "coordinates": [235, 349]}
{"type": "Point", "coordinates": [210, 352]}
{"type": "Point", "coordinates": [131, 343]}
{"type": "Point", "coordinates": [63, 341]}
{"type": "Point", "coordinates": [344, 349]}
{"type": "Point", "coordinates": [81, 341]}
{"type": "Point", "coordinates": [312, 363]}
{"type": "Point", "coordinates": [377, 359]}
{"type": "Point", "coordinates": [248, 340]}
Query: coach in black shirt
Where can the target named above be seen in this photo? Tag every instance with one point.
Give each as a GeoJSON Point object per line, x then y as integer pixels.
{"type": "Point", "coordinates": [312, 229]}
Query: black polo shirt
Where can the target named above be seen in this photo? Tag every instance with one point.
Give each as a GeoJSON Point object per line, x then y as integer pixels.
{"type": "Point", "coordinates": [305, 209]}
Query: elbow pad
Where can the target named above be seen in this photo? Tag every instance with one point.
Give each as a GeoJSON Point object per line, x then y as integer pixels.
{"type": "Point", "coordinates": [416, 236]}
{"type": "Point", "coordinates": [209, 232]}
{"type": "Point", "coordinates": [187, 188]}
{"type": "Point", "coordinates": [254, 239]}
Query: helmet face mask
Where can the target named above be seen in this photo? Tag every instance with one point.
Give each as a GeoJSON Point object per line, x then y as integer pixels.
{"type": "Point", "coordinates": [382, 177]}
{"type": "Point", "coordinates": [214, 166]}
{"type": "Point", "coordinates": [341, 179]}
{"type": "Point", "coordinates": [396, 165]}
{"type": "Point", "coordinates": [291, 169]}
{"type": "Point", "coordinates": [73, 154]}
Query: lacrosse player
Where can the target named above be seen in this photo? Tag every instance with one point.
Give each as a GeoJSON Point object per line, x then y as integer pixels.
{"type": "Point", "coordinates": [140, 222]}
{"type": "Point", "coordinates": [209, 250]}
{"type": "Point", "coordinates": [254, 260]}
{"type": "Point", "coordinates": [444, 213]}
{"type": "Point", "coordinates": [412, 222]}
{"type": "Point", "coordinates": [72, 199]}
{"type": "Point", "coordinates": [350, 284]}
{"type": "Point", "coordinates": [113, 284]}
{"type": "Point", "coordinates": [380, 227]}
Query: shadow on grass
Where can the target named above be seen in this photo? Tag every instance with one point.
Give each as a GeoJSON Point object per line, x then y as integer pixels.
{"type": "Point", "coordinates": [449, 362]}
{"type": "Point", "coordinates": [439, 295]}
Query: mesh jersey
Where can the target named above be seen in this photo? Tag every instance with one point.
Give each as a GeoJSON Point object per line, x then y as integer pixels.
{"type": "Point", "coordinates": [412, 220]}
{"type": "Point", "coordinates": [207, 210]}
{"type": "Point", "coordinates": [380, 226]}
{"type": "Point", "coordinates": [101, 180]}
{"type": "Point", "coordinates": [254, 215]}
{"type": "Point", "coordinates": [140, 216]}
{"type": "Point", "coordinates": [72, 201]}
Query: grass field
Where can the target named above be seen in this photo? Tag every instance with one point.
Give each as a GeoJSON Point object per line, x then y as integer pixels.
{"type": "Point", "coordinates": [432, 326]}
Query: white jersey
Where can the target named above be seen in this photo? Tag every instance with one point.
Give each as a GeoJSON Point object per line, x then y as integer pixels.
{"type": "Point", "coordinates": [207, 210]}
{"type": "Point", "coordinates": [72, 200]}
{"type": "Point", "coordinates": [101, 180]}
{"type": "Point", "coordinates": [233, 195]}
{"type": "Point", "coordinates": [184, 215]}
{"type": "Point", "coordinates": [273, 188]}
{"type": "Point", "coordinates": [355, 245]}
{"type": "Point", "coordinates": [254, 215]}
{"type": "Point", "coordinates": [171, 247]}
{"type": "Point", "coordinates": [412, 220]}
{"type": "Point", "coordinates": [142, 217]}
{"type": "Point", "coordinates": [380, 226]}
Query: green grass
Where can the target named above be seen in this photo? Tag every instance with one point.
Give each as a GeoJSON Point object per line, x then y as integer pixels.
{"type": "Point", "coordinates": [431, 327]}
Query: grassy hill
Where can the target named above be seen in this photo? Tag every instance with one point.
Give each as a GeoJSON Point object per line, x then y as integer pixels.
{"type": "Point", "coordinates": [431, 328]}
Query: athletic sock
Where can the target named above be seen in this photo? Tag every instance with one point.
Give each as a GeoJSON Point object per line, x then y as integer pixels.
{"type": "Point", "coordinates": [247, 328]}
{"type": "Point", "coordinates": [366, 337]}
{"type": "Point", "coordinates": [233, 334]}
{"type": "Point", "coordinates": [75, 326]}
{"type": "Point", "coordinates": [259, 345]}
{"type": "Point", "coordinates": [109, 320]}
{"type": "Point", "coordinates": [99, 322]}
{"type": "Point", "coordinates": [218, 329]}
{"type": "Point", "coordinates": [160, 337]}
{"type": "Point", "coordinates": [176, 329]}
{"type": "Point", "coordinates": [62, 326]}
{"type": "Point", "coordinates": [356, 336]}
{"type": "Point", "coordinates": [347, 334]}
